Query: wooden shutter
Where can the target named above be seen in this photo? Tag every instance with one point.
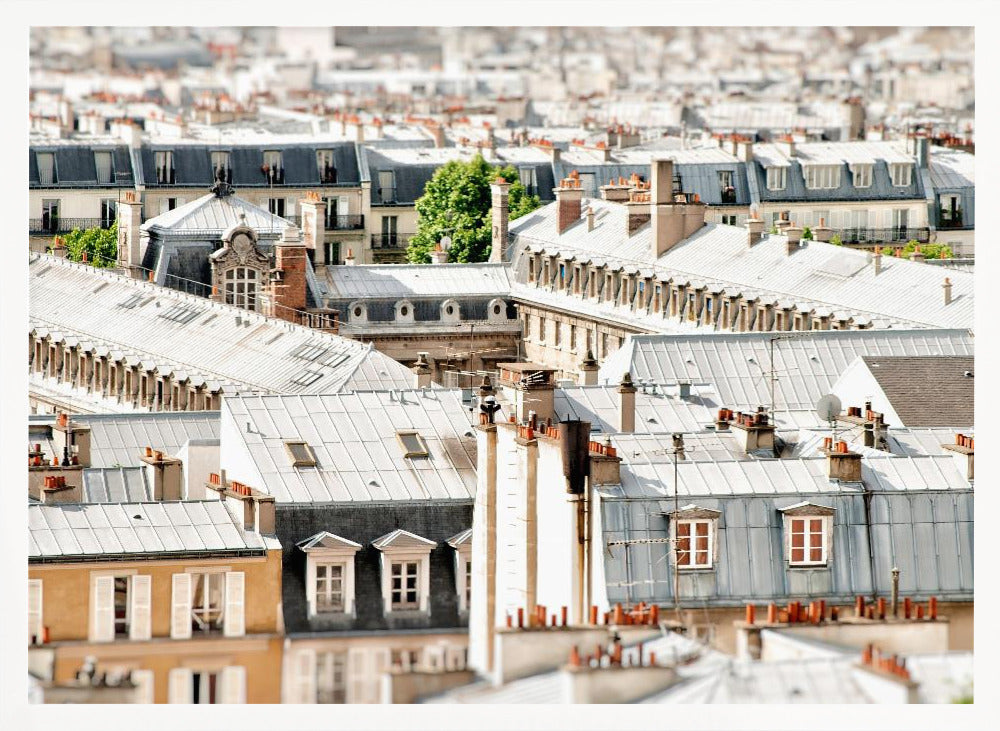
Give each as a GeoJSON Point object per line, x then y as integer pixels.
{"type": "Point", "coordinates": [139, 597]}
{"type": "Point", "coordinates": [180, 681]}
{"type": "Point", "coordinates": [234, 624]}
{"type": "Point", "coordinates": [35, 611]}
{"type": "Point", "coordinates": [144, 681]}
{"type": "Point", "coordinates": [180, 613]}
{"type": "Point", "coordinates": [234, 684]}
{"type": "Point", "coordinates": [305, 676]}
{"type": "Point", "coordinates": [103, 609]}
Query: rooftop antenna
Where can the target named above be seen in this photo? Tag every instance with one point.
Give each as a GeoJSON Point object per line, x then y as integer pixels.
{"type": "Point", "coordinates": [828, 409]}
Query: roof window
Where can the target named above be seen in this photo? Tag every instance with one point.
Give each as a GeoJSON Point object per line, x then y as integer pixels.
{"type": "Point", "coordinates": [412, 443]}
{"type": "Point", "coordinates": [301, 454]}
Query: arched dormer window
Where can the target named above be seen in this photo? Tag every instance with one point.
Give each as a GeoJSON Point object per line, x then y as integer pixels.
{"type": "Point", "coordinates": [450, 311]}
{"type": "Point", "coordinates": [357, 312]}
{"type": "Point", "coordinates": [404, 311]}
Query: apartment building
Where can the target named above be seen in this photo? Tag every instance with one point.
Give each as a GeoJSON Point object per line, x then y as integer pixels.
{"type": "Point", "coordinates": [178, 595]}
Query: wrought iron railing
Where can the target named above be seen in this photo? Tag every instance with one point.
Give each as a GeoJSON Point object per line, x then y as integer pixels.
{"type": "Point", "coordinates": [390, 241]}
{"type": "Point", "coordinates": [57, 225]}
{"type": "Point", "coordinates": [883, 235]}
{"type": "Point", "coordinates": [346, 222]}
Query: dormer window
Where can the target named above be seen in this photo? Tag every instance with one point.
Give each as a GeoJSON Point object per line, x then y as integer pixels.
{"type": "Point", "coordinates": [46, 167]}
{"type": "Point", "coordinates": [405, 566]}
{"type": "Point", "coordinates": [901, 173]}
{"type": "Point", "coordinates": [777, 178]}
{"type": "Point", "coordinates": [220, 166]}
{"type": "Point", "coordinates": [531, 269]}
{"type": "Point", "coordinates": [462, 543]}
{"type": "Point", "coordinates": [325, 166]}
{"type": "Point", "coordinates": [164, 167]}
{"type": "Point", "coordinates": [808, 531]}
{"type": "Point", "coordinates": [726, 188]}
{"type": "Point", "coordinates": [693, 532]}
{"type": "Point", "coordinates": [862, 176]}
{"type": "Point", "coordinates": [387, 186]}
{"type": "Point", "coordinates": [273, 167]}
{"type": "Point", "coordinates": [819, 177]}
{"type": "Point", "coordinates": [329, 574]}
{"type": "Point", "coordinates": [103, 162]}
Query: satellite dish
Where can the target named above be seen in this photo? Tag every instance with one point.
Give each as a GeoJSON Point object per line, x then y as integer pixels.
{"type": "Point", "coordinates": [828, 407]}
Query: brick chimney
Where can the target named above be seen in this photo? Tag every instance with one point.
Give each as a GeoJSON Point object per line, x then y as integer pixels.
{"type": "Point", "coordinates": [673, 219]}
{"type": "Point", "coordinates": [73, 439]}
{"type": "Point", "coordinates": [437, 132]}
{"type": "Point", "coordinates": [626, 404]}
{"type": "Point", "coordinates": [288, 289]}
{"type": "Point", "coordinates": [755, 228]}
{"type": "Point", "coordinates": [794, 235]}
{"type": "Point", "coordinates": [164, 474]}
{"type": "Point", "coordinates": [823, 232]}
{"type": "Point", "coordinates": [313, 210]}
{"type": "Point", "coordinates": [843, 465]}
{"type": "Point", "coordinates": [500, 211]}
{"type": "Point", "coordinates": [947, 290]}
{"type": "Point", "coordinates": [568, 201]}
{"type": "Point", "coordinates": [58, 489]}
{"type": "Point", "coordinates": [422, 371]}
{"type": "Point", "coordinates": [129, 220]}
{"type": "Point", "coordinates": [637, 211]}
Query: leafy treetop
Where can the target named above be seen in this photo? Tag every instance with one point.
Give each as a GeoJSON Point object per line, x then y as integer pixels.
{"type": "Point", "coordinates": [100, 245]}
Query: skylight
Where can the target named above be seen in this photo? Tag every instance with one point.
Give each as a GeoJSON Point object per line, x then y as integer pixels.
{"type": "Point", "coordinates": [301, 454]}
{"type": "Point", "coordinates": [412, 443]}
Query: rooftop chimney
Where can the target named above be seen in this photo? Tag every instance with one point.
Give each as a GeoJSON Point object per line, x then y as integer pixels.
{"type": "Point", "coordinates": [673, 219]}
{"type": "Point", "coordinates": [588, 370]}
{"type": "Point", "coordinates": [964, 449]}
{"type": "Point", "coordinates": [782, 223]}
{"type": "Point", "coordinates": [422, 371]}
{"type": "Point", "coordinates": [917, 255]}
{"type": "Point", "coordinates": [823, 232]}
{"type": "Point", "coordinates": [164, 474]}
{"type": "Point", "coordinates": [636, 211]}
{"type": "Point", "coordinates": [626, 408]}
{"type": "Point", "coordinates": [755, 228]}
{"type": "Point", "coordinates": [877, 260]}
{"type": "Point", "coordinates": [439, 255]}
{"type": "Point", "coordinates": [288, 294]}
{"type": "Point", "coordinates": [74, 439]}
{"type": "Point", "coordinates": [843, 465]}
{"type": "Point", "coordinates": [947, 290]}
{"type": "Point", "coordinates": [313, 210]}
{"type": "Point", "coordinates": [616, 192]}
{"type": "Point", "coordinates": [569, 195]}
{"type": "Point", "coordinates": [500, 212]}
{"type": "Point", "coordinates": [754, 430]}
{"type": "Point", "coordinates": [349, 259]}
{"type": "Point", "coordinates": [590, 218]}
{"type": "Point", "coordinates": [794, 235]}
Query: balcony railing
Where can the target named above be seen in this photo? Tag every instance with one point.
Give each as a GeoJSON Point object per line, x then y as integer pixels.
{"type": "Point", "coordinates": [954, 221]}
{"type": "Point", "coordinates": [386, 195]}
{"type": "Point", "coordinates": [729, 195]}
{"type": "Point", "coordinates": [347, 222]}
{"type": "Point", "coordinates": [56, 225]}
{"type": "Point", "coordinates": [390, 241]}
{"type": "Point", "coordinates": [883, 235]}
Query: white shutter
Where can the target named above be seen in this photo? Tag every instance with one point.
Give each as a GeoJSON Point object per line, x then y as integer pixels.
{"type": "Point", "coordinates": [305, 676]}
{"type": "Point", "coordinates": [180, 684]}
{"type": "Point", "coordinates": [102, 609]}
{"type": "Point", "coordinates": [381, 657]}
{"type": "Point", "coordinates": [144, 682]}
{"type": "Point", "coordinates": [234, 684]}
{"type": "Point", "coordinates": [139, 620]}
{"type": "Point", "coordinates": [234, 625]}
{"type": "Point", "coordinates": [356, 674]}
{"type": "Point", "coordinates": [35, 611]}
{"type": "Point", "coordinates": [180, 613]}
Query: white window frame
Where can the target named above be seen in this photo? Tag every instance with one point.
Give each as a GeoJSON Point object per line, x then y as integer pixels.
{"type": "Point", "coordinates": [337, 551]}
{"type": "Point", "coordinates": [273, 159]}
{"type": "Point", "coordinates": [462, 543]}
{"type": "Point", "coordinates": [35, 611]}
{"type": "Point", "coordinates": [408, 548]}
{"type": "Point", "coordinates": [232, 617]}
{"type": "Point", "coordinates": [163, 161]}
{"type": "Point", "coordinates": [104, 156]}
{"type": "Point", "coordinates": [777, 177]}
{"type": "Point", "coordinates": [248, 277]}
{"type": "Point", "coordinates": [102, 606]}
{"type": "Point", "coordinates": [861, 175]}
{"type": "Point", "coordinates": [220, 159]}
{"type": "Point", "coordinates": [901, 174]}
{"type": "Point", "coordinates": [52, 176]}
{"type": "Point", "coordinates": [692, 524]}
{"type": "Point", "coordinates": [821, 177]}
{"type": "Point", "coordinates": [809, 530]}
{"type": "Point", "coordinates": [324, 158]}
{"type": "Point", "coordinates": [327, 665]}
{"type": "Point", "coordinates": [230, 684]}
{"type": "Point", "coordinates": [808, 511]}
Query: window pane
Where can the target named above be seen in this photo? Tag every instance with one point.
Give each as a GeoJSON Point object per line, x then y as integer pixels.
{"type": "Point", "coordinates": [684, 529]}
{"type": "Point", "coordinates": [701, 543]}
{"type": "Point", "coordinates": [798, 540]}
{"type": "Point", "coordinates": [816, 524]}
{"type": "Point", "coordinates": [815, 554]}
{"type": "Point", "coordinates": [797, 555]}
{"type": "Point", "coordinates": [816, 540]}
{"type": "Point", "coordinates": [701, 529]}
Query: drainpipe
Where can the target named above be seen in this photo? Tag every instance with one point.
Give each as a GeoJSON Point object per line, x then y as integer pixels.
{"type": "Point", "coordinates": [895, 591]}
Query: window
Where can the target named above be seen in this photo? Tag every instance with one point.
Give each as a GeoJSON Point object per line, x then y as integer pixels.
{"type": "Point", "coordinates": [204, 687]}
{"type": "Point", "coordinates": [822, 176]}
{"type": "Point", "coordinates": [604, 344]}
{"type": "Point", "coordinates": [108, 207]}
{"type": "Point", "coordinates": [201, 686]}
{"type": "Point", "coordinates": [862, 176]}
{"type": "Point", "coordinates": [808, 544]}
{"type": "Point", "coordinates": [562, 276]}
{"type": "Point", "coordinates": [206, 604]}
{"type": "Point", "coordinates": [220, 164]}
{"type": "Point", "coordinates": [729, 220]}
{"type": "Point", "coordinates": [694, 544]}
{"type": "Point", "coordinates": [557, 335]}
{"type": "Point", "coordinates": [390, 231]}
{"type": "Point", "coordinates": [405, 659]}
{"type": "Point", "coordinates": [103, 161]}
{"type": "Point", "coordinates": [50, 215]}
{"type": "Point", "coordinates": [412, 443]}
{"type": "Point", "coordinates": [276, 206]}
{"type": "Point", "coordinates": [468, 583]}
{"type": "Point", "coordinates": [331, 252]}
{"type": "Point", "coordinates": [405, 589]}
{"type": "Point", "coordinates": [120, 606]}
{"type": "Point", "coordinates": [273, 167]}
{"type": "Point", "coordinates": [164, 166]}
{"type": "Point", "coordinates": [529, 180]}
{"type": "Point", "coordinates": [301, 454]}
{"type": "Point", "coordinates": [541, 329]}
{"type": "Point", "coordinates": [901, 173]}
{"type": "Point", "coordinates": [241, 287]}
{"type": "Point", "coordinates": [572, 338]}
{"type": "Point", "coordinates": [329, 587]}
{"type": "Point", "coordinates": [531, 269]}
{"type": "Point", "coordinates": [387, 186]}
{"type": "Point", "coordinates": [331, 681]}
{"type": "Point", "coordinates": [46, 167]}
{"type": "Point", "coordinates": [777, 178]}
{"type": "Point", "coordinates": [324, 164]}
{"type": "Point", "coordinates": [35, 623]}
{"type": "Point", "coordinates": [726, 188]}
{"type": "Point", "coordinates": [950, 208]}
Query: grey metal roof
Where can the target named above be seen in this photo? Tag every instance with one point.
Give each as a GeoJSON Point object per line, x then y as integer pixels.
{"type": "Point", "coordinates": [76, 166]}
{"type": "Point", "coordinates": [397, 281]}
{"type": "Point", "coordinates": [242, 351]}
{"type": "Point", "coordinates": [663, 411]}
{"type": "Point", "coordinates": [952, 169]}
{"type": "Point", "coordinates": [116, 485]}
{"type": "Point", "coordinates": [121, 529]}
{"type": "Point", "coordinates": [819, 274]}
{"type": "Point", "coordinates": [213, 215]}
{"type": "Point", "coordinates": [354, 439]}
{"type": "Point", "coordinates": [738, 365]}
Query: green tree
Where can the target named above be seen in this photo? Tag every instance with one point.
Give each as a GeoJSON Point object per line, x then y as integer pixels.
{"type": "Point", "coordinates": [456, 203]}
{"type": "Point", "coordinates": [930, 251]}
{"type": "Point", "coordinates": [835, 240]}
{"type": "Point", "coordinates": [807, 234]}
{"type": "Point", "coordinates": [100, 245]}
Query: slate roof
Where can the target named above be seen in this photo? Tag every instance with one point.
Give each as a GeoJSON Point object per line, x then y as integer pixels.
{"type": "Point", "coordinates": [354, 439]}
{"type": "Point", "coordinates": [135, 529]}
{"type": "Point", "coordinates": [737, 365]}
{"type": "Point", "coordinates": [817, 276]}
{"type": "Point", "coordinates": [195, 337]}
{"type": "Point", "coordinates": [927, 390]}
{"type": "Point", "coordinates": [364, 523]}
{"type": "Point", "coordinates": [75, 165]}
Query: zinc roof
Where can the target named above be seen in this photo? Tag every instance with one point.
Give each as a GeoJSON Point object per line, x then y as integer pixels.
{"type": "Point", "coordinates": [401, 280]}
{"type": "Point", "coordinates": [359, 457]}
{"type": "Point", "coordinates": [116, 485]}
{"type": "Point", "coordinates": [211, 213]}
{"type": "Point", "coordinates": [243, 351]}
{"type": "Point", "coordinates": [135, 528]}
{"type": "Point", "coordinates": [738, 365]}
{"type": "Point", "coordinates": [951, 168]}
{"type": "Point", "coordinates": [662, 411]}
